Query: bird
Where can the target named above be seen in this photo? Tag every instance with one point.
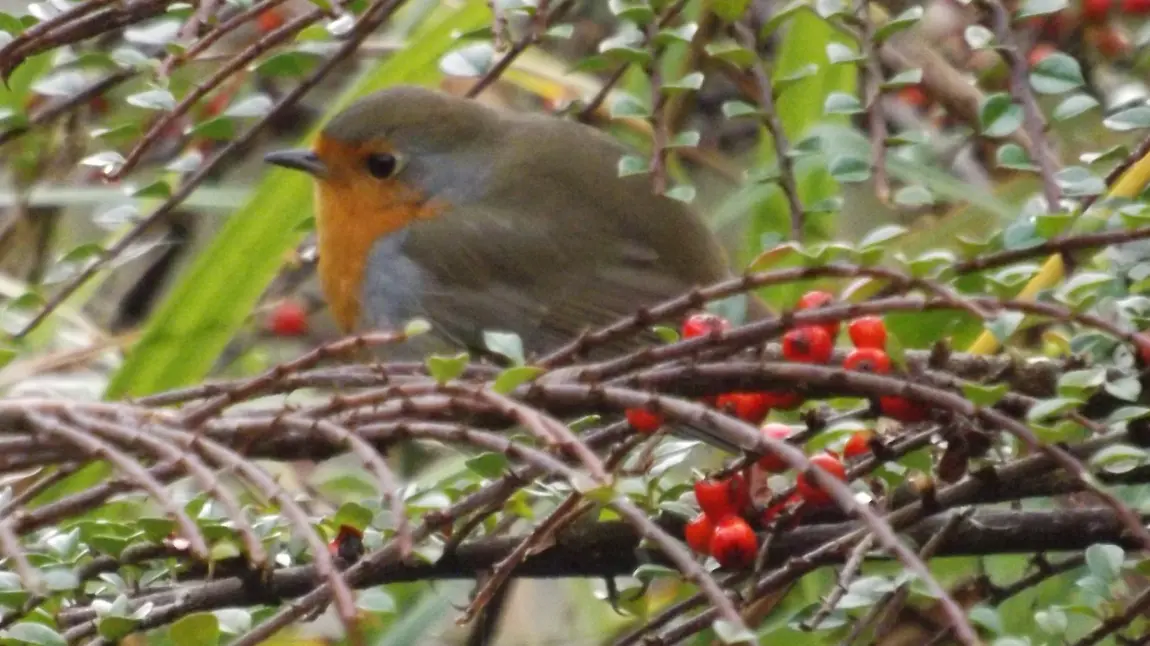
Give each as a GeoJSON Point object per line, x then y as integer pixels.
{"type": "Point", "coordinates": [481, 219]}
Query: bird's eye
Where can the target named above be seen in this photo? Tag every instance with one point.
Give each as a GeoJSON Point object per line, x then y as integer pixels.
{"type": "Point", "coordinates": [381, 165]}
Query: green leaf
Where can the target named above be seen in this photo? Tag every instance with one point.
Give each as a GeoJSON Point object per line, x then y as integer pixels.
{"type": "Point", "coordinates": [1080, 383]}
{"type": "Point", "coordinates": [842, 103]}
{"type": "Point", "coordinates": [735, 109]}
{"type": "Point", "coordinates": [985, 395]}
{"type": "Point", "coordinates": [684, 193]}
{"type": "Point", "coordinates": [34, 634]}
{"type": "Point", "coordinates": [1073, 106]}
{"type": "Point", "coordinates": [1048, 408]}
{"type": "Point", "coordinates": [690, 82]}
{"type": "Point", "coordinates": [682, 34]}
{"type": "Point", "coordinates": [999, 116]}
{"type": "Point", "coordinates": [651, 571]}
{"type": "Point", "coordinates": [1049, 225]}
{"type": "Point", "coordinates": [637, 11]}
{"type": "Point", "coordinates": [903, 79]}
{"type": "Point", "coordinates": [114, 628]}
{"type": "Point", "coordinates": [882, 236]}
{"type": "Point", "coordinates": [1004, 325]}
{"type": "Point", "coordinates": [1077, 181]}
{"type": "Point", "coordinates": [732, 633]}
{"type": "Point", "coordinates": [153, 100]}
{"type": "Point", "coordinates": [978, 37]}
{"type": "Point", "coordinates": [376, 600]}
{"type": "Point", "coordinates": [913, 197]}
{"type": "Point", "coordinates": [1041, 8]}
{"type": "Point", "coordinates": [469, 61]}
{"type": "Point", "coordinates": [849, 169]}
{"type": "Point", "coordinates": [685, 139]}
{"type": "Point", "coordinates": [416, 327]}
{"type": "Point", "coordinates": [287, 64]}
{"type": "Point", "coordinates": [1129, 119]}
{"type": "Point", "coordinates": [214, 297]}
{"type": "Point", "coordinates": [1012, 156]}
{"type": "Point", "coordinates": [1052, 621]}
{"type": "Point", "coordinates": [1119, 458]}
{"type": "Point", "coordinates": [731, 52]}
{"type": "Point", "coordinates": [507, 344]}
{"type": "Point", "coordinates": [1105, 561]}
{"type": "Point", "coordinates": [627, 105]}
{"type": "Point", "coordinates": [489, 465]}
{"type": "Point", "coordinates": [353, 514]}
{"type": "Point", "coordinates": [632, 165]}
{"type": "Point", "coordinates": [904, 20]}
{"type": "Point", "coordinates": [512, 378]}
{"type": "Point", "coordinates": [444, 368]}
{"type": "Point", "coordinates": [1056, 74]}
{"type": "Point", "coordinates": [838, 53]}
{"type": "Point", "coordinates": [729, 10]}
{"type": "Point", "coordinates": [199, 629]}
{"type": "Point", "coordinates": [216, 129]}
{"type": "Point", "coordinates": [1126, 389]}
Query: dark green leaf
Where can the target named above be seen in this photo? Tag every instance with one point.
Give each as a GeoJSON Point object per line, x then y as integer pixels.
{"type": "Point", "coordinates": [1055, 74]}
{"type": "Point", "coordinates": [999, 116]}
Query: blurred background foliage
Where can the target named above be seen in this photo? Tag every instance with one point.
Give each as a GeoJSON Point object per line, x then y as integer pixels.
{"type": "Point", "coordinates": [221, 284]}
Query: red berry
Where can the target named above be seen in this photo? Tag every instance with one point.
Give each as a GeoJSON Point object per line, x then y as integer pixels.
{"type": "Point", "coordinates": [703, 323]}
{"type": "Point", "coordinates": [1142, 343]}
{"type": "Point", "coordinates": [721, 498]}
{"type": "Point", "coordinates": [771, 462]}
{"type": "Point", "coordinates": [698, 533]}
{"type": "Point", "coordinates": [1040, 51]}
{"type": "Point", "coordinates": [859, 444]}
{"type": "Point", "coordinates": [347, 545]}
{"type": "Point", "coordinates": [815, 299]}
{"type": "Point", "coordinates": [288, 318]}
{"type": "Point", "coordinates": [780, 400]}
{"type": "Point", "coordinates": [1109, 41]}
{"type": "Point", "coordinates": [643, 420]}
{"type": "Point", "coordinates": [749, 407]}
{"type": "Point", "coordinates": [868, 332]}
{"type": "Point", "coordinates": [808, 344]}
{"type": "Point", "coordinates": [772, 512]}
{"type": "Point", "coordinates": [867, 360]}
{"type": "Point", "coordinates": [903, 409]}
{"type": "Point", "coordinates": [1095, 10]}
{"type": "Point", "coordinates": [913, 95]}
{"type": "Point", "coordinates": [734, 544]}
{"type": "Point", "coordinates": [809, 489]}
{"type": "Point", "coordinates": [269, 20]}
{"type": "Point", "coordinates": [1135, 7]}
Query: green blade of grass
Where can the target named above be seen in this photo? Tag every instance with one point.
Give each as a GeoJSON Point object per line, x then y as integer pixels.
{"type": "Point", "coordinates": [190, 329]}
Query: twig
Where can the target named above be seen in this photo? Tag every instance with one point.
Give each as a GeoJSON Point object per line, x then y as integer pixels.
{"type": "Point", "coordinates": [1032, 119]}
{"type": "Point", "coordinates": [770, 118]}
{"type": "Point", "coordinates": [876, 120]}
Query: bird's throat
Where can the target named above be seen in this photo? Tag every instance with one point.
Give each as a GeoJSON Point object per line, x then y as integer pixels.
{"type": "Point", "coordinates": [347, 229]}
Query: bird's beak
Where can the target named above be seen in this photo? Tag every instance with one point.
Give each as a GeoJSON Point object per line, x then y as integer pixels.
{"type": "Point", "coordinates": [298, 159]}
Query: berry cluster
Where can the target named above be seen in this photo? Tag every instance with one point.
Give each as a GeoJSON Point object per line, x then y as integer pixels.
{"type": "Point", "coordinates": [804, 344]}
{"type": "Point", "coordinates": [723, 529]}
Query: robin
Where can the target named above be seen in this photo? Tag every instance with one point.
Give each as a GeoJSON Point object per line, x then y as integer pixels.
{"type": "Point", "coordinates": [478, 219]}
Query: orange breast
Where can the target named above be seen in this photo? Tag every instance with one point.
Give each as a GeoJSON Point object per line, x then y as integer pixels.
{"type": "Point", "coordinates": [353, 211]}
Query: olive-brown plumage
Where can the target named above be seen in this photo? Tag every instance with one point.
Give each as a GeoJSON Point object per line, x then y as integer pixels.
{"type": "Point", "coordinates": [478, 219]}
